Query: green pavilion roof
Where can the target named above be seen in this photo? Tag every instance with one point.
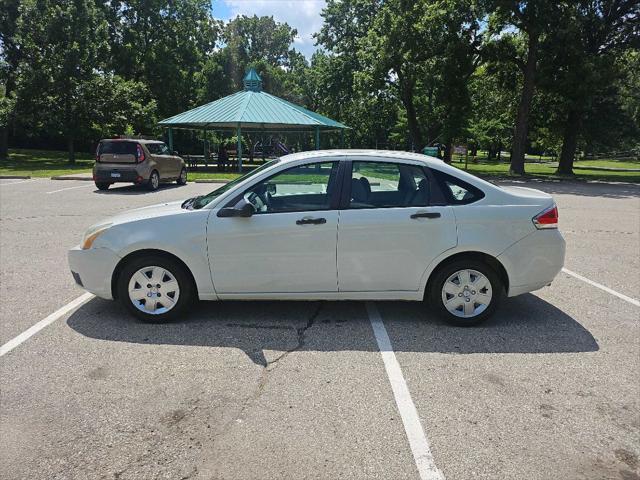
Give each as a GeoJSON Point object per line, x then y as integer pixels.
{"type": "Point", "coordinates": [252, 109]}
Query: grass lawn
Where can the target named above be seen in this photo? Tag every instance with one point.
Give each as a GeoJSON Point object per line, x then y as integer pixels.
{"type": "Point", "coordinates": [40, 163]}
{"type": "Point", "coordinates": [547, 170]}
{"type": "Point", "coordinates": [44, 163]}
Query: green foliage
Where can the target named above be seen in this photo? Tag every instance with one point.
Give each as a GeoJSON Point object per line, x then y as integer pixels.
{"type": "Point", "coordinates": [499, 75]}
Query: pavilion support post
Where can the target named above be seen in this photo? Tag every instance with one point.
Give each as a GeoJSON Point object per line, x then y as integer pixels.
{"type": "Point", "coordinates": [170, 139]}
{"type": "Point", "coordinates": [317, 138]}
{"type": "Point", "coordinates": [204, 146]}
{"type": "Point", "coordinates": [239, 148]}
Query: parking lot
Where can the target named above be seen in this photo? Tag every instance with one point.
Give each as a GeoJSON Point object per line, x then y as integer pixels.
{"type": "Point", "coordinates": [547, 389]}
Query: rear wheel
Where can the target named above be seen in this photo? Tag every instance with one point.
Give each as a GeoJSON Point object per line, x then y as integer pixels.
{"type": "Point", "coordinates": [155, 289]}
{"type": "Point", "coordinates": [103, 185]}
{"type": "Point", "coordinates": [182, 179]}
{"type": "Point", "coordinates": [466, 292]}
{"type": "Point", "coordinates": [154, 181]}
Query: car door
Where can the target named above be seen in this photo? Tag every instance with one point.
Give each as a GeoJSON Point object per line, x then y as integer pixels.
{"type": "Point", "coordinates": [169, 162]}
{"type": "Point", "coordinates": [392, 225]}
{"type": "Point", "coordinates": [289, 244]}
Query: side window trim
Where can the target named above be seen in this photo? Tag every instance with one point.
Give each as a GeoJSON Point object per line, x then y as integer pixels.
{"type": "Point", "coordinates": [333, 199]}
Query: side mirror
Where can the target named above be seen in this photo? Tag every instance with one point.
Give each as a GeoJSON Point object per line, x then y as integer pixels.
{"type": "Point", "coordinates": [241, 209]}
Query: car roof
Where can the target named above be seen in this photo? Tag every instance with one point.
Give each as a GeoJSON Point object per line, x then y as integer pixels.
{"type": "Point", "coordinates": [347, 154]}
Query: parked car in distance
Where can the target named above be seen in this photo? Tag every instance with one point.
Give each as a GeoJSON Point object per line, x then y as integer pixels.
{"type": "Point", "coordinates": [330, 225]}
{"type": "Point", "coordinates": [141, 162]}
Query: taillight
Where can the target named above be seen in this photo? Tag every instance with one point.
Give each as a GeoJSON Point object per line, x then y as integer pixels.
{"type": "Point", "coordinates": [139, 153]}
{"type": "Point", "coordinates": [547, 218]}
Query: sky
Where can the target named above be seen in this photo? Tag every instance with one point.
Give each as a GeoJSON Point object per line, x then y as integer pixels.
{"type": "Point", "coordinates": [303, 15]}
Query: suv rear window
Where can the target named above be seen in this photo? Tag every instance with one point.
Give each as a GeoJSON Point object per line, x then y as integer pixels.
{"type": "Point", "coordinates": [117, 148]}
{"type": "Point", "coordinates": [456, 191]}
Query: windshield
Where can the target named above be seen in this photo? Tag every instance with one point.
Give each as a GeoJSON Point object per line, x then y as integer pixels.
{"type": "Point", "coordinates": [200, 202]}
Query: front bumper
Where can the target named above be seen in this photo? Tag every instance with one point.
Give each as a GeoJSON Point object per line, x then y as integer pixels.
{"type": "Point", "coordinates": [93, 269]}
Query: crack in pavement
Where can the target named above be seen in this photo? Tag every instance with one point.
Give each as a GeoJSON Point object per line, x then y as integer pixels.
{"type": "Point", "coordinates": [267, 368]}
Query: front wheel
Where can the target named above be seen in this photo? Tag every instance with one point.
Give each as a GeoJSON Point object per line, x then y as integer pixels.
{"type": "Point", "coordinates": [466, 292]}
{"type": "Point", "coordinates": [155, 289]}
{"type": "Point", "coordinates": [182, 179]}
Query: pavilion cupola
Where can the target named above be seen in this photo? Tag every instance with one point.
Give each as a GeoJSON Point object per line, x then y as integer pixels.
{"type": "Point", "coordinates": [252, 81]}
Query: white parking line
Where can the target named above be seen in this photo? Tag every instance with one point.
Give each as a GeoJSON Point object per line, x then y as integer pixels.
{"type": "Point", "coordinates": [15, 183]}
{"type": "Point", "coordinates": [69, 188]}
{"type": "Point", "coordinates": [412, 426]}
{"type": "Point", "coordinates": [632, 301]}
{"type": "Point", "coordinates": [14, 342]}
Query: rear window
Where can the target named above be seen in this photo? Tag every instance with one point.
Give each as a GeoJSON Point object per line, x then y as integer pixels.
{"type": "Point", "coordinates": [456, 191]}
{"type": "Point", "coordinates": [158, 149]}
{"type": "Point", "coordinates": [117, 148]}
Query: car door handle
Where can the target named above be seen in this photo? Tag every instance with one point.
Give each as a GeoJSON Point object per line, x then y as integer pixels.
{"type": "Point", "coordinates": [426, 215]}
{"type": "Point", "coordinates": [311, 221]}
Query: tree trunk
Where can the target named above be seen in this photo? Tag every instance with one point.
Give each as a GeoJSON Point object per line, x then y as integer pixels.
{"type": "Point", "coordinates": [448, 152]}
{"type": "Point", "coordinates": [406, 93]}
{"type": "Point", "coordinates": [72, 152]}
{"type": "Point", "coordinates": [569, 143]}
{"type": "Point", "coordinates": [4, 143]}
{"type": "Point", "coordinates": [499, 152]}
{"type": "Point", "coordinates": [522, 117]}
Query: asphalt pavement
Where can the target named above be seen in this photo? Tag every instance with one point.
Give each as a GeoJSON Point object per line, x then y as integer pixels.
{"type": "Point", "coordinates": [549, 388]}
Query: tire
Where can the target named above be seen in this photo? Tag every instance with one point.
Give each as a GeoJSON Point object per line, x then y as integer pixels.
{"type": "Point", "coordinates": [103, 185]}
{"type": "Point", "coordinates": [154, 181]}
{"type": "Point", "coordinates": [470, 309]}
{"type": "Point", "coordinates": [171, 300]}
{"type": "Point", "coordinates": [182, 179]}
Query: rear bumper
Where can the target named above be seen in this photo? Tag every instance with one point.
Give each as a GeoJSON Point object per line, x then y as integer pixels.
{"type": "Point", "coordinates": [112, 173]}
{"type": "Point", "coordinates": [92, 269]}
{"type": "Point", "coordinates": [534, 261]}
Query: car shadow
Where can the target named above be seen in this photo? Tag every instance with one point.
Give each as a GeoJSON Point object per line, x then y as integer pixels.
{"type": "Point", "coordinates": [136, 189]}
{"type": "Point", "coordinates": [525, 324]}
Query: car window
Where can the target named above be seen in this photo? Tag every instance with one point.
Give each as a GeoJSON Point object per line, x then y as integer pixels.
{"type": "Point", "coordinates": [158, 148]}
{"type": "Point", "coordinates": [457, 192]}
{"type": "Point", "coordinates": [117, 148]}
{"type": "Point", "coordinates": [387, 185]}
{"type": "Point", "coordinates": [298, 189]}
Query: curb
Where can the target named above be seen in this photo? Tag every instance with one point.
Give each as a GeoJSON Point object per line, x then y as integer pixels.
{"type": "Point", "coordinates": [210, 180]}
{"type": "Point", "coordinates": [15, 177]}
{"type": "Point", "coordinates": [71, 177]}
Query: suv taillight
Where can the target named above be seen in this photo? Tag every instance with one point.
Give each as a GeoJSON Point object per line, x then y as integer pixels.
{"type": "Point", "coordinates": [547, 218]}
{"type": "Point", "coordinates": [98, 154]}
{"type": "Point", "coordinates": [139, 153]}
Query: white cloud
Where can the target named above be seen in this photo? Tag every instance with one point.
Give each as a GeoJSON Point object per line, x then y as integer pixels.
{"type": "Point", "coordinates": [303, 15]}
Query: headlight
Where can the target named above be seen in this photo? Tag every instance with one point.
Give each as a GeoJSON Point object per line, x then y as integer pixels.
{"type": "Point", "coordinates": [92, 233]}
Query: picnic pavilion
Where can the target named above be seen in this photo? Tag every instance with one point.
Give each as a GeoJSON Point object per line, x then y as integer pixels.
{"type": "Point", "coordinates": [251, 110]}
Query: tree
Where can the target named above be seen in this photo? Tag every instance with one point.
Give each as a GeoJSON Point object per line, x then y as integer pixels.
{"type": "Point", "coordinates": [64, 47]}
{"type": "Point", "coordinates": [256, 39]}
{"type": "Point", "coordinates": [164, 45]}
{"type": "Point", "coordinates": [532, 18]}
{"type": "Point", "coordinates": [10, 58]}
{"type": "Point", "coordinates": [586, 70]}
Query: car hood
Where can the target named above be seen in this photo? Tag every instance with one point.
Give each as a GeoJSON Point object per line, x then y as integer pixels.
{"type": "Point", "coordinates": [144, 213]}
